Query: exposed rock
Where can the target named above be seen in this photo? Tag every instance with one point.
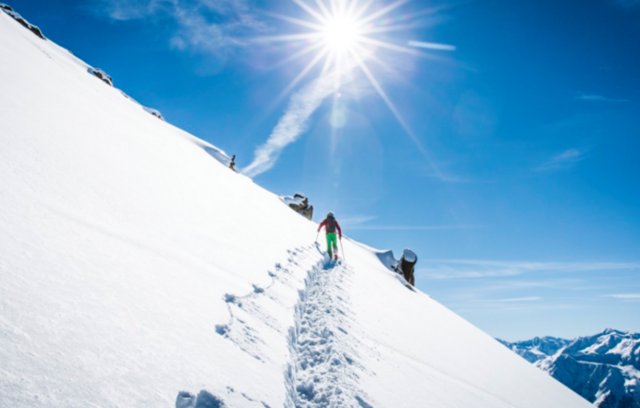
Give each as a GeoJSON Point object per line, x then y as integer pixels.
{"type": "Point", "coordinates": [100, 74]}
{"type": "Point", "coordinates": [300, 204]}
{"type": "Point", "coordinates": [33, 28]}
{"type": "Point", "coordinates": [154, 112]}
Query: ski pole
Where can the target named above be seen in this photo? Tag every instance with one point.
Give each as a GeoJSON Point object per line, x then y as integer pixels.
{"type": "Point", "coordinates": [342, 249]}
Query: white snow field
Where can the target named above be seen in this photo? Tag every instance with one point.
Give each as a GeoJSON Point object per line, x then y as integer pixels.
{"type": "Point", "coordinates": [136, 270]}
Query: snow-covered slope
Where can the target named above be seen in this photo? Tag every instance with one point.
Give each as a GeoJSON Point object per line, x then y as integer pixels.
{"type": "Point", "coordinates": [136, 270]}
{"type": "Point", "coordinates": [603, 368]}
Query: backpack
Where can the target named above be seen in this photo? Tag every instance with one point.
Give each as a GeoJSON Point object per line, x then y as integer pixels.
{"type": "Point", "coordinates": [331, 224]}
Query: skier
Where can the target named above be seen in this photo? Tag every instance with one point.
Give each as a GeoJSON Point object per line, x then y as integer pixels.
{"type": "Point", "coordinates": [232, 163]}
{"type": "Point", "coordinates": [330, 224]}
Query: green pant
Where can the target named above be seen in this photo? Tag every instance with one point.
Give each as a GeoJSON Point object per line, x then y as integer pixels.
{"type": "Point", "coordinates": [332, 243]}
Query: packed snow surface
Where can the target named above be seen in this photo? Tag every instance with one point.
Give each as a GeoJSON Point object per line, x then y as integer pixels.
{"type": "Point", "coordinates": [136, 270]}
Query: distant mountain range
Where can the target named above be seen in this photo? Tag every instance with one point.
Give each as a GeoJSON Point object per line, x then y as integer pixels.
{"type": "Point", "coordinates": [603, 368]}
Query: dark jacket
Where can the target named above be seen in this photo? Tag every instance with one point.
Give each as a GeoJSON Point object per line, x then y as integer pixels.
{"type": "Point", "coordinates": [331, 225]}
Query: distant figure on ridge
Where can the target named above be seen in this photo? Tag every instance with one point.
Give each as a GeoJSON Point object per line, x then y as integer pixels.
{"type": "Point", "coordinates": [407, 264]}
{"type": "Point", "coordinates": [331, 225]}
{"type": "Point", "coordinates": [232, 163]}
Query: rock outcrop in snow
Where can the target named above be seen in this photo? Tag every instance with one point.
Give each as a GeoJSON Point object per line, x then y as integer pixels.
{"type": "Point", "coordinates": [23, 21]}
{"type": "Point", "coordinates": [603, 368]}
{"type": "Point", "coordinates": [154, 112]}
{"type": "Point", "coordinates": [101, 75]}
{"type": "Point", "coordinates": [300, 204]}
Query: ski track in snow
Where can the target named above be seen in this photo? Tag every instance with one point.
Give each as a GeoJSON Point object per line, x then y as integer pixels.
{"type": "Point", "coordinates": [323, 358]}
{"type": "Point", "coordinates": [323, 370]}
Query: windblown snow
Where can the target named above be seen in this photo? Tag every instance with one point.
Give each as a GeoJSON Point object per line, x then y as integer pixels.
{"type": "Point", "coordinates": [136, 270]}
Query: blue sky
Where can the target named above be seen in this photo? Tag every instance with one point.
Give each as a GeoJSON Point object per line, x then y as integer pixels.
{"type": "Point", "coordinates": [510, 165]}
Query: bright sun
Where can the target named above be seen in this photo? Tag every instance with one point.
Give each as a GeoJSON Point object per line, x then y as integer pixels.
{"type": "Point", "coordinates": [341, 34]}
{"type": "Point", "coordinates": [340, 38]}
{"type": "Point", "coordinates": [344, 35]}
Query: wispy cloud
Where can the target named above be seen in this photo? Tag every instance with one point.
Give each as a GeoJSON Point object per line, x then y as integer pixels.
{"type": "Point", "coordinates": [468, 308]}
{"type": "Point", "coordinates": [599, 98]}
{"type": "Point", "coordinates": [432, 45]}
{"type": "Point", "coordinates": [356, 220]}
{"type": "Point", "coordinates": [212, 27]}
{"type": "Point", "coordinates": [534, 282]}
{"type": "Point", "coordinates": [292, 124]}
{"type": "Point", "coordinates": [415, 227]}
{"type": "Point", "coordinates": [624, 296]}
{"type": "Point", "coordinates": [124, 10]}
{"type": "Point", "coordinates": [477, 269]}
{"type": "Point", "coordinates": [565, 159]}
{"type": "Point", "coordinates": [516, 299]}
{"type": "Point", "coordinates": [447, 177]}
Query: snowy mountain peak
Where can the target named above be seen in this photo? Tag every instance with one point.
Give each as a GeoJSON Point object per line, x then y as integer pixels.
{"type": "Point", "coordinates": [603, 368]}
{"type": "Point", "coordinates": [610, 331]}
{"type": "Point", "coordinates": [538, 348]}
{"type": "Point", "coordinates": [137, 270]}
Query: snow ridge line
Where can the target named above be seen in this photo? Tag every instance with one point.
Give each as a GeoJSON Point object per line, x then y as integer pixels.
{"type": "Point", "coordinates": [324, 360]}
{"type": "Point", "coordinates": [247, 314]}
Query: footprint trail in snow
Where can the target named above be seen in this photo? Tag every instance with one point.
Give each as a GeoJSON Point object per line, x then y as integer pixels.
{"type": "Point", "coordinates": [256, 318]}
{"type": "Point", "coordinates": [318, 340]}
{"type": "Point", "coordinates": [324, 360]}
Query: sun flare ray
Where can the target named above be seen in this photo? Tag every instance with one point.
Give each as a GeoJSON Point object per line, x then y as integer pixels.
{"type": "Point", "coordinates": [309, 10]}
{"type": "Point", "coordinates": [396, 113]}
{"type": "Point", "coordinates": [362, 10]}
{"type": "Point", "coordinates": [390, 46]}
{"type": "Point", "coordinates": [323, 8]}
{"type": "Point", "coordinates": [342, 38]}
{"type": "Point", "coordinates": [287, 38]}
{"type": "Point", "coordinates": [340, 29]}
{"type": "Point", "coordinates": [315, 26]}
{"type": "Point", "coordinates": [304, 72]}
{"type": "Point", "coordinates": [298, 55]}
{"type": "Point", "coordinates": [383, 11]}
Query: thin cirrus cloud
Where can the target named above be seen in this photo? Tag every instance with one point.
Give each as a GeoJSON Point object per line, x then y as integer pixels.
{"type": "Point", "coordinates": [213, 27]}
{"type": "Point", "coordinates": [432, 46]}
{"type": "Point", "coordinates": [516, 299]}
{"type": "Point", "coordinates": [600, 98]}
{"type": "Point", "coordinates": [356, 220]}
{"type": "Point", "coordinates": [291, 124]}
{"type": "Point", "coordinates": [363, 222]}
{"type": "Point", "coordinates": [564, 159]}
{"type": "Point", "coordinates": [624, 296]}
{"type": "Point", "coordinates": [479, 269]}
{"type": "Point", "coordinates": [402, 227]}
{"type": "Point", "coordinates": [125, 10]}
